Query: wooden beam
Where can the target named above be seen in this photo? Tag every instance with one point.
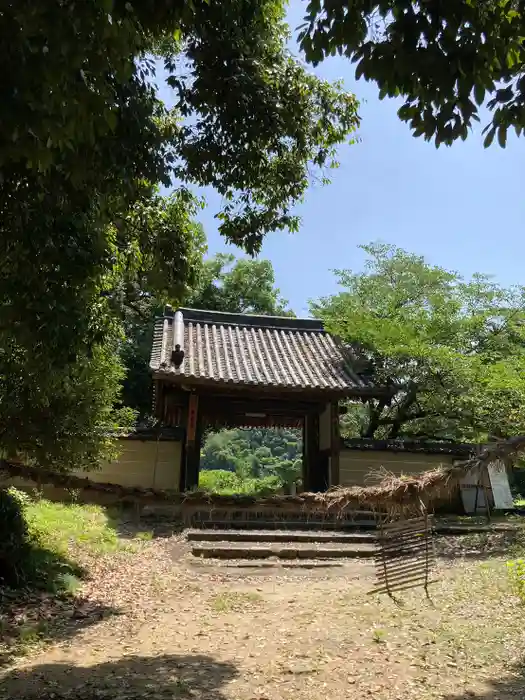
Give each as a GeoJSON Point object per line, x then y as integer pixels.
{"type": "Point", "coordinates": [312, 458]}
{"type": "Point", "coordinates": [193, 437]}
{"type": "Point", "coordinates": [335, 476]}
{"type": "Point", "coordinates": [205, 385]}
{"type": "Point", "coordinates": [236, 405]}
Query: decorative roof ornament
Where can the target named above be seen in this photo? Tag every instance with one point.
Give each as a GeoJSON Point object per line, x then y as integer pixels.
{"type": "Point", "coordinates": [177, 354]}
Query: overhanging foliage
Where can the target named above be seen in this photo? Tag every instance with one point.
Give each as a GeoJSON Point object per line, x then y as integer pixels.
{"type": "Point", "coordinates": [85, 144]}
{"type": "Point", "coordinates": [445, 59]}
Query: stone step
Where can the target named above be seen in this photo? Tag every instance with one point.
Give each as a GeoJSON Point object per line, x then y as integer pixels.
{"type": "Point", "coordinates": [298, 550]}
{"type": "Point", "coordinates": [320, 536]}
{"type": "Point", "coordinates": [350, 569]}
{"type": "Point", "coordinates": [338, 526]}
{"type": "Point", "coordinates": [265, 564]}
{"type": "Point", "coordinates": [292, 525]}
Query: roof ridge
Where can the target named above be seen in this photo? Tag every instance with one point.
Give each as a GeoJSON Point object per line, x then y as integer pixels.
{"type": "Point", "coordinates": [227, 318]}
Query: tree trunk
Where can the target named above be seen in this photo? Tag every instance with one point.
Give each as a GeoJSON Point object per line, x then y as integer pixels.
{"type": "Point", "coordinates": [375, 417]}
{"type": "Point", "coordinates": [402, 413]}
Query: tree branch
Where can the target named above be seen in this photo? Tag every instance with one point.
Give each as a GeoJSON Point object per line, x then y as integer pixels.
{"type": "Point", "coordinates": [402, 415]}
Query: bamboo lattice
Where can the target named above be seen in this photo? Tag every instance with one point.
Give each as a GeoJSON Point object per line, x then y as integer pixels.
{"type": "Point", "coordinates": [405, 555]}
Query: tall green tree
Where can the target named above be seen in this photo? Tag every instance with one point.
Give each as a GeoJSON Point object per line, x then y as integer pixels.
{"type": "Point", "coordinates": [85, 143]}
{"type": "Point", "coordinates": [256, 453]}
{"type": "Point", "coordinates": [243, 285]}
{"type": "Point", "coordinates": [445, 59]}
{"type": "Point", "coordinates": [451, 351]}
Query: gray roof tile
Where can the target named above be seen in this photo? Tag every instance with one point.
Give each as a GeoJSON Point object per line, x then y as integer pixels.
{"type": "Point", "coordinates": [263, 351]}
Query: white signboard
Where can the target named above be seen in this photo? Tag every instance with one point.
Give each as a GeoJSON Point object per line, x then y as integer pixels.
{"type": "Point", "coordinates": [472, 493]}
{"type": "Point", "coordinates": [500, 486]}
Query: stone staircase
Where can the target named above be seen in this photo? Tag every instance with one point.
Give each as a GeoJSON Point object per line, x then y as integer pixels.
{"type": "Point", "coordinates": [227, 519]}
{"type": "Point", "coordinates": [293, 545]}
{"type": "Point", "coordinates": [261, 544]}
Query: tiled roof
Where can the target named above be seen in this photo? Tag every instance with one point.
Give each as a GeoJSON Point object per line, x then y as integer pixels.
{"type": "Point", "coordinates": [245, 350]}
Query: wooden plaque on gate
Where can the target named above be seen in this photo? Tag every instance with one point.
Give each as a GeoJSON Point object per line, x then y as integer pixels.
{"type": "Point", "coordinates": [192, 417]}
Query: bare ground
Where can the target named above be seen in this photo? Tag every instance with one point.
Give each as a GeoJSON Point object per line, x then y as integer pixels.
{"type": "Point", "coordinates": [219, 633]}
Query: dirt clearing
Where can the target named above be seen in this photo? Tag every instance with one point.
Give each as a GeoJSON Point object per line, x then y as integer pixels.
{"type": "Point", "coordinates": [213, 633]}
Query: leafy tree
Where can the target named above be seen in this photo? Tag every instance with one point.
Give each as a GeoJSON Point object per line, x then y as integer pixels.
{"type": "Point", "coordinates": [68, 425]}
{"type": "Point", "coordinates": [239, 286]}
{"type": "Point", "coordinates": [257, 453]}
{"type": "Point", "coordinates": [451, 351]}
{"type": "Point", "coordinates": [86, 141]}
{"type": "Point", "coordinates": [444, 58]}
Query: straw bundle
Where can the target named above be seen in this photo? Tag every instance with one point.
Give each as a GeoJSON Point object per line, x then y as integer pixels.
{"type": "Point", "coordinates": [393, 495]}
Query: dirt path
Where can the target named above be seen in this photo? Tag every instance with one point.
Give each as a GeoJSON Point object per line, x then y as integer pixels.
{"type": "Point", "coordinates": [207, 633]}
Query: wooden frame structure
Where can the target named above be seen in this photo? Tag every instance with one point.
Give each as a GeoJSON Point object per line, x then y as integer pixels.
{"type": "Point", "coordinates": [215, 370]}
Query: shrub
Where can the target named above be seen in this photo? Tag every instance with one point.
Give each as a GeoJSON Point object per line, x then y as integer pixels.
{"type": "Point", "coordinates": [14, 537]}
{"type": "Point", "coordinates": [516, 570]}
{"type": "Point", "coordinates": [217, 480]}
{"type": "Point", "coordinates": [26, 558]}
{"type": "Point", "coordinates": [224, 482]}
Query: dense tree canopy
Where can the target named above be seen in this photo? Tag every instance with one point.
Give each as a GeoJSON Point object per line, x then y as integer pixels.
{"type": "Point", "coordinates": [255, 454]}
{"type": "Point", "coordinates": [244, 286]}
{"type": "Point", "coordinates": [452, 351]}
{"type": "Point", "coordinates": [85, 143]}
{"type": "Point", "coordinates": [445, 59]}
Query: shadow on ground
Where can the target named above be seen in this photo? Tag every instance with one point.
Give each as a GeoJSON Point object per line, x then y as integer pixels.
{"type": "Point", "coordinates": [44, 608]}
{"type": "Point", "coordinates": [509, 687]}
{"type": "Point", "coordinates": [130, 678]}
{"type": "Point", "coordinates": [128, 523]}
{"type": "Point", "coordinates": [479, 546]}
{"type": "Point", "coordinates": [32, 617]}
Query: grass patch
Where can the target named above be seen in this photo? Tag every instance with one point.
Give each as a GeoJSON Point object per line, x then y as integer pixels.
{"type": "Point", "coordinates": [61, 527]}
{"type": "Point", "coordinates": [225, 483]}
{"type": "Point", "coordinates": [234, 601]}
{"type": "Point", "coordinates": [40, 597]}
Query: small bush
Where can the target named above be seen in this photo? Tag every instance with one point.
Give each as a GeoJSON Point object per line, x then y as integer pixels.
{"type": "Point", "coordinates": [217, 480]}
{"type": "Point", "coordinates": [26, 560]}
{"type": "Point", "coordinates": [227, 483]}
{"type": "Point", "coordinates": [516, 570]}
{"type": "Point", "coordinates": [14, 537]}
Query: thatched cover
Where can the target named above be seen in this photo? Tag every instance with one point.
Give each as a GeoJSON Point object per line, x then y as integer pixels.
{"type": "Point", "coordinates": [393, 495]}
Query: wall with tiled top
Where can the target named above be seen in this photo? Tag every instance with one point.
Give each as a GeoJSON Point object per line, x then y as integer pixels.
{"type": "Point", "coordinates": [359, 467]}
{"type": "Point", "coordinates": [148, 464]}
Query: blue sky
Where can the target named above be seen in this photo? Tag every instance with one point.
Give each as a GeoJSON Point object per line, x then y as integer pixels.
{"type": "Point", "coordinates": [461, 207]}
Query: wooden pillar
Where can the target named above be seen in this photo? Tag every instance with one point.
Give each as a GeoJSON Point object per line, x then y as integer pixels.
{"type": "Point", "coordinates": [335, 477]}
{"type": "Point", "coordinates": [323, 469]}
{"type": "Point", "coordinates": [311, 461]}
{"type": "Point", "coordinates": [305, 472]}
{"type": "Point", "coordinates": [193, 447]}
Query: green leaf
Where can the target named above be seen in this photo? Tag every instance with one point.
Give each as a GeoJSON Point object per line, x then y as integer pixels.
{"type": "Point", "coordinates": [479, 93]}
{"type": "Point", "coordinates": [360, 69]}
{"type": "Point", "coordinates": [489, 138]}
{"type": "Point", "coordinates": [502, 136]}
